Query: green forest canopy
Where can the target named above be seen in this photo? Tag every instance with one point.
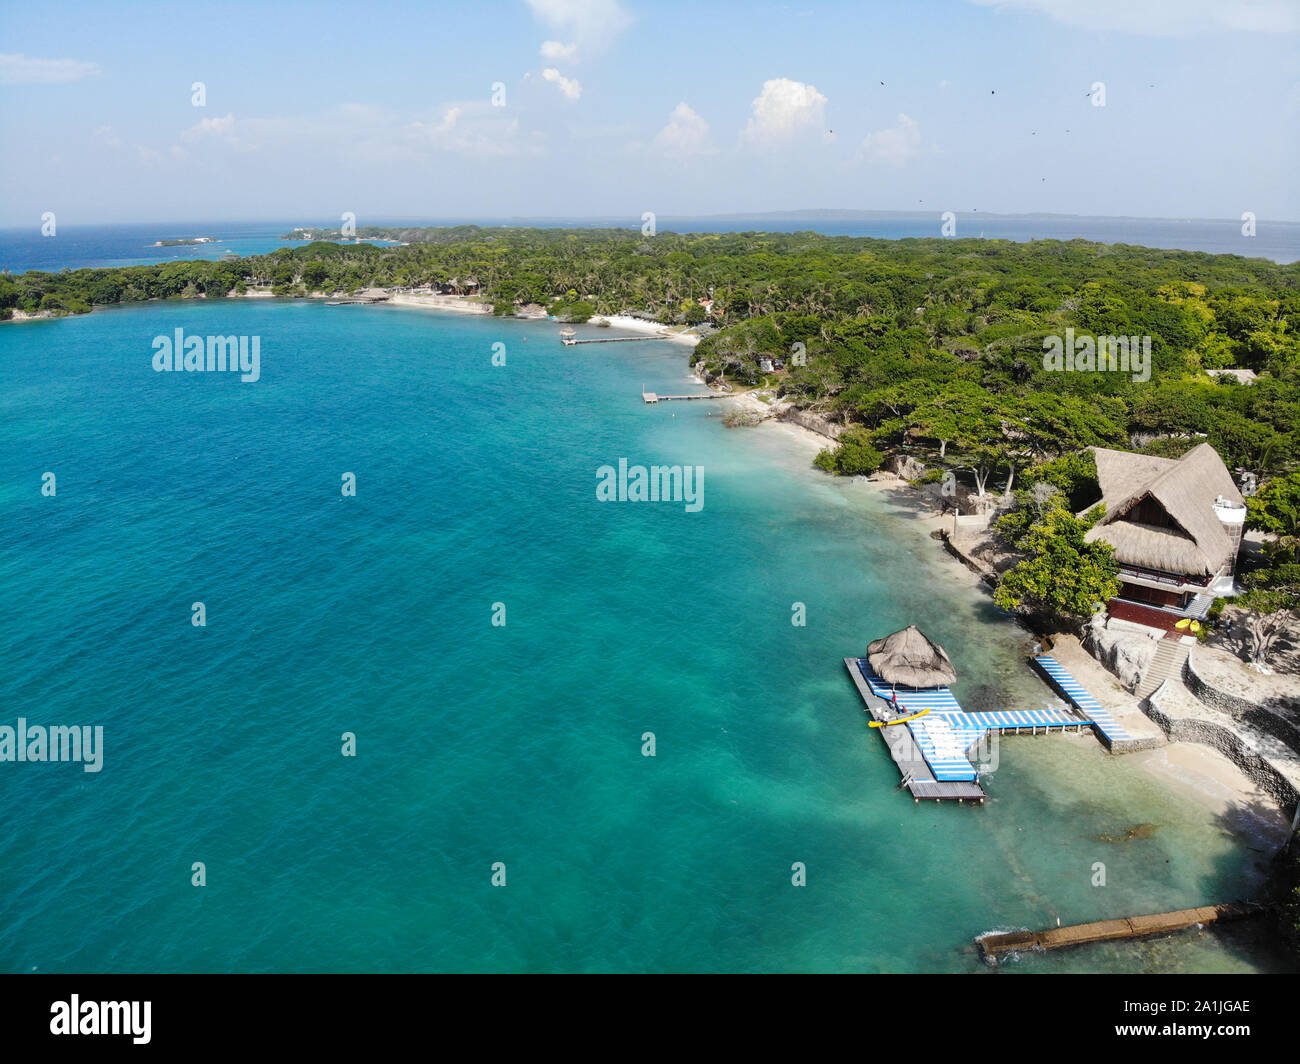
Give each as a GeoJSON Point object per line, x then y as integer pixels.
{"type": "Point", "coordinates": [928, 344]}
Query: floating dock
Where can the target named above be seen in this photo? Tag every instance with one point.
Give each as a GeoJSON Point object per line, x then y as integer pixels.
{"type": "Point", "coordinates": [933, 751]}
{"type": "Point", "coordinates": [996, 945]}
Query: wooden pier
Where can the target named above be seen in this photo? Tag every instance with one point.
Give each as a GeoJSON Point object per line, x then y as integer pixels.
{"type": "Point", "coordinates": [995, 945]}
{"type": "Point", "coordinates": [569, 341]}
{"type": "Point", "coordinates": [916, 774]}
{"type": "Point", "coordinates": [652, 397]}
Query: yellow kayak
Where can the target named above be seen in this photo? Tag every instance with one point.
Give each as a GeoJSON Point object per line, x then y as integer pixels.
{"type": "Point", "coordinates": [901, 720]}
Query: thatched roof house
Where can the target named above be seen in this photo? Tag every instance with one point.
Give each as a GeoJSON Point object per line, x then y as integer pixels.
{"type": "Point", "coordinates": [1175, 524]}
{"type": "Point", "coordinates": [909, 658]}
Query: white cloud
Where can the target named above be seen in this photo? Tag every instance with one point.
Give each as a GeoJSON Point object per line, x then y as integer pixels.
{"type": "Point", "coordinates": [1164, 18]}
{"type": "Point", "coordinates": [448, 122]}
{"type": "Point", "coordinates": [555, 51]}
{"type": "Point", "coordinates": [18, 69]}
{"type": "Point", "coordinates": [105, 135]}
{"type": "Point", "coordinates": [569, 86]}
{"type": "Point", "coordinates": [473, 129]}
{"type": "Point", "coordinates": [783, 110]}
{"type": "Point", "coordinates": [223, 128]}
{"type": "Point", "coordinates": [892, 147]}
{"type": "Point", "coordinates": [592, 25]}
{"type": "Point", "coordinates": [685, 134]}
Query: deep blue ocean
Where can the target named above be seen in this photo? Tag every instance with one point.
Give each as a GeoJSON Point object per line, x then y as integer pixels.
{"type": "Point", "coordinates": [74, 246]}
{"type": "Point", "coordinates": [518, 744]}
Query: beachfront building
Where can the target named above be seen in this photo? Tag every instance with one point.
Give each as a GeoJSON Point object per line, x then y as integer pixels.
{"type": "Point", "coordinates": [1176, 526]}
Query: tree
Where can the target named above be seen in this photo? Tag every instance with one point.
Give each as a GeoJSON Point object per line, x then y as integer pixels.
{"type": "Point", "coordinates": [855, 456]}
{"type": "Point", "coordinates": [980, 424]}
{"type": "Point", "coordinates": [1269, 615]}
{"type": "Point", "coordinates": [314, 275]}
{"type": "Point", "coordinates": [1275, 508]}
{"type": "Point", "coordinates": [1029, 509]}
{"type": "Point", "coordinates": [1062, 577]}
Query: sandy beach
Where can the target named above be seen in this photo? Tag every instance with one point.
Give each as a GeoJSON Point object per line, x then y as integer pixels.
{"type": "Point", "coordinates": [629, 324]}
{"type": "Point", "coordinates": [455, 304]}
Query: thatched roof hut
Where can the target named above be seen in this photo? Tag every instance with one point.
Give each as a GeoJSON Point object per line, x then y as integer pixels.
{"type": "Point", "coordinates": [909, 658]}
{"type": "Point", "coordinates": [1161, 512]}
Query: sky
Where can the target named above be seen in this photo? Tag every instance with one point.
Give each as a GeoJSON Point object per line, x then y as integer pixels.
{"type": "Point", "coordinates": [139, 112]}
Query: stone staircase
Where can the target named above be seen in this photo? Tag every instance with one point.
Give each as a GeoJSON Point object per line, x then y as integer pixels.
{"type": "Point", "coordinates": [1166, 664]}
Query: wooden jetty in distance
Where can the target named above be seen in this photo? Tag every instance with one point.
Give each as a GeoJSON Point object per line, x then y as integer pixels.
{"type": "Point", "coordinates": [995, 945]}
{"type": "Point", "coordinates": [571, 341]}
{"type": "Point", "coordinates": [654, 397]}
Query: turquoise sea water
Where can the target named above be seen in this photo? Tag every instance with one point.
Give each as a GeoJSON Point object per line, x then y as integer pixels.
{"type": "Point", "coordinates": [518, 744]}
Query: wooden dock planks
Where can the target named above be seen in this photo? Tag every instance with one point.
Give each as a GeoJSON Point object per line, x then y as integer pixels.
{"type": "Point", "coordinates": [994, 945]}
{"type": "Point", "coordinates": [652, 397]}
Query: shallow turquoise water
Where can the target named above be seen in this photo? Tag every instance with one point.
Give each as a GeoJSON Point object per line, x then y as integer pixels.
{"type": "Point", "coordinates": [519, 744]}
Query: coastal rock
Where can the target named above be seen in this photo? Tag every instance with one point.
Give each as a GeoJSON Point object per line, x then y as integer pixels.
{"type": "Point", "coordinates": [1126, 654]}
{"type": "Point", "coordinates": [905, 466]}
{"type": "Point", "coordinates": [813, 422]}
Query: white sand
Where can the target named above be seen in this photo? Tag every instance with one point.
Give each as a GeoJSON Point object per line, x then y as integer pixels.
{"type": "Point", "coordinates": [456, 304]}
{"type": "Point", "coordinates": [668, 332]}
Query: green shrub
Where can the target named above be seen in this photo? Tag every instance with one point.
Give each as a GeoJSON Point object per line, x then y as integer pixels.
{"type": "Point", "coordinates": [855, 456]}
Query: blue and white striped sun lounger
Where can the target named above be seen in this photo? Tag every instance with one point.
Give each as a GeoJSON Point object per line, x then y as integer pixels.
{"type": "Point", "coordinates": [942, 735]}
{"type": "Point", "coordinates": [943, 748]}
{"type": "Point", "coordinates": [1084, 702]}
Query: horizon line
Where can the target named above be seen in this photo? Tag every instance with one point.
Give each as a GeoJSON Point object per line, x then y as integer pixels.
{"type": "Point", "coordinates": [810, 213]}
